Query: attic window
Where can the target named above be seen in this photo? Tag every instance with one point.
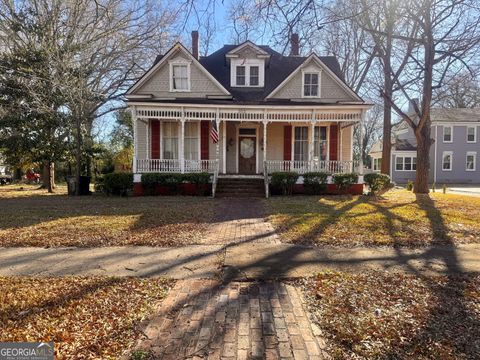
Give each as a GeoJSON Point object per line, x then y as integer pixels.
{"type": "Point", "coordinates": [247, 72]}
{"type": "Point", "coordinates": [253, 75]}
{"type": "Point", "coordinates": [241, 75]}
{"type": "Point", "coordinates": [179, 76]}
{"type": "Point", "coordinates": [310, 84]}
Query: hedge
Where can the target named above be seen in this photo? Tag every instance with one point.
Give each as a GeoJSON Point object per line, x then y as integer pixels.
{"type": "Point", "coordinates": [345, 181]}
{"type": "Point", "coordinates": [150, 181]}
{"type": "Point", "coordinates": [284, 181]}
{"type": "Point", "coordinates": [315, 182]}
{"type": "Point", "coordinates": [376, 182]}
{"type": "Point", "coordinates": [117, 183]}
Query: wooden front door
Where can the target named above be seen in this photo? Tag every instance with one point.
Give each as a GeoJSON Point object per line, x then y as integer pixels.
{"type": "Point", "coordinates": [247, 155]}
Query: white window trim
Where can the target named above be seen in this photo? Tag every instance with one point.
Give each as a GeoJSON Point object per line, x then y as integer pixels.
{"type": "Point", "coordinates": [248, 64]}
{"type": "Point", "coordinates": [199, 135]}
{"type": "Point", "coordinates": [319, 73]}
{"type": "Point", "coordinates": [451, 134]}
{"type": "Point", "coordinates": [189, 80]}
{"type": "Point", "coordinates": [162, 134]}
{"type": "Point", "coordinates": [403, 157]}
{"type": "Point", "coordinates": [309, 138]}
{"type": "Point", "coordinates": [474, 154]}
{"type": "Point", "coordinates": [474, 134]}
{"type": "Point", "coordinates": [451, 160]}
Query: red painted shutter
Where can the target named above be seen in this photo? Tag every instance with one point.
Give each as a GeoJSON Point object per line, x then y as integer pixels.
{"type": "Point", "coordinates": [155, 138]}
{"type": "Point", "coordinates": [333, 142]}
{"type": "Point", "coordinates": [204, 139]}
{"type": "Point", "coordinates": [287, 142]}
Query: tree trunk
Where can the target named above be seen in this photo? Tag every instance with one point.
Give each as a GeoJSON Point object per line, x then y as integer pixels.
{"type": "Point", "coordinates": [387, 138]}
{"type": "Point", "coordinates": [78, 155]}
{"type": "Point", "coordinates": [50, 176]}
{"type": "Point", "coordinates": [423, 161]}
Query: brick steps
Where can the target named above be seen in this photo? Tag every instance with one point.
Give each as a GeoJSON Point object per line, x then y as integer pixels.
{"type": "Point", "coordinates": [240, 187]}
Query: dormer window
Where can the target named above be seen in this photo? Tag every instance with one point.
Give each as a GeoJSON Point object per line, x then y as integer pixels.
{"type": "Point", "coordinates": [247, 72]}
{"type": "Point", "coordinates": [311, 83]}
{"type": "Point", "coordinates": [179, 76]}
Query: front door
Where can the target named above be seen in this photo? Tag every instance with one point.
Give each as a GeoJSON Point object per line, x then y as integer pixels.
{"type": "Point", "coordinates": [247, 155]}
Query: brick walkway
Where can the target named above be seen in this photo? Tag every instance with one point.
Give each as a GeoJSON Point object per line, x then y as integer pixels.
{"type": "Point", "coordinates": [240, 220]}
{"type": "Point", "coordinates": [202, 319]}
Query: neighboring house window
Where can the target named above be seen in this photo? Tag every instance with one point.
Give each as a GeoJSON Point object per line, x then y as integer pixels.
{"type": "Point", "coordinates": [471, 161]}
{"type": "Point", "coordinates": [170, 140]}
{"type": "Point", "coordinates": [310, 85]}
{"type": "Point", "coordinates": [180, 77]}
{"type": "Point", "coordinates": [471, 134]}
{"type": "Point", "coordinates": [447, 134]}
{"type": "Point", "coordinates": [254, 74]}
{"type": "Point", "coordinates": [191, 141]}
{"type": "Point", "coordinates": [320, 143]}
{"type": "Point", "coordinates": [240, 72]}
{"type": "Point", "coordinates": [300, 144]}
{"type": "Point", "coordinates": [405, 163]}
{"type": "Point", "coordinates": [377, 164]}
{"type": "Point", "coordinates": [447, 161]}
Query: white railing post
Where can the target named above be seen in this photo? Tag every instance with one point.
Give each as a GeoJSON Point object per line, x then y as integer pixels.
{"type": "Point", "coordinates": [135, 140]}
{"type": "Point", "coordinates": [182, 143]}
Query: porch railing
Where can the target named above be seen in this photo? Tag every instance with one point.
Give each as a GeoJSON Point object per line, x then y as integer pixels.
{"type": "Point", "coordinates": [164, 165]}
{"type": "Point", "coordinates": [302, 167]}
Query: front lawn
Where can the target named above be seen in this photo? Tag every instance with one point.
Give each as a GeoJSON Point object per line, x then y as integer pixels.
{"type": "Point", "coordinates": [377, 315]}
{"type": "Point", "coordinates": [86, 317]}
{"type": "Point", "coordinates": [31, 217]}
{"type": "Point", "coordinates": [399, 218]}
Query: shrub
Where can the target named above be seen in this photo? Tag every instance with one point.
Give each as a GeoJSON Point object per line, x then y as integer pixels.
{"type": "Point", "coordinates": [118, 183]}
{"type": "Point", "coordinates": [150, 181]}
{"type": "Point", "coordinates": [376, 182]}
{"type": "Point", "coordinates": [315, 182]}
{"type": "Point", "coordinates": [410, 185]}
{"type": "Point", "coordinates": [345, 181]}
{"type": "Point", "coordinates": [284, 181]}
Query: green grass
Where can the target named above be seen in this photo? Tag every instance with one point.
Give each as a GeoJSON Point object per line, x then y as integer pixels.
{"type": "Point", "coordinates": [399, 218]}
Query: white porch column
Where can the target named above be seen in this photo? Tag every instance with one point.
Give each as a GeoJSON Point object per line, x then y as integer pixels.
{"type": "Point", "coordinates": [360, 165]}
{"type": "Point", "coordinates": [311, 148]}
{"type": "Point", "coordinates": [217, 145]}
{"type": "Point", "coordinates": [135, 140]}
{"type": "Point", "coordinates": [265, 122]}
{"type": "Point", "coordinates": [181, 151]}
{"type": "Point", "coordinates": [224, 145]}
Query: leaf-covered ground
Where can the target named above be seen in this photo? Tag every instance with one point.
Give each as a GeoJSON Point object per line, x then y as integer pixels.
{"type": "Point", "coordinates": [398, 218]}
{"type": "Point", "coordinates": [86, 317]}
{"type": "Point", "coordinates": [30, 217]}
{"type": "Point", "coordinates": [393, 316]}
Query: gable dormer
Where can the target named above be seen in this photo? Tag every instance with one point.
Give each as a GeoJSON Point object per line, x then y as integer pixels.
{"type": "Point", "coordinates": [247, 65]}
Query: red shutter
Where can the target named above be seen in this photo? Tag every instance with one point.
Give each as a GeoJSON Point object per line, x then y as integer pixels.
{"type": "Point", "coordinates": [333, 142]}
{"type": "Point", "coordinates": [287, 142]}
{"type": "Point", "coordinates": [155, 137]}
{"type": "Point", "coordinates": [204, 139]}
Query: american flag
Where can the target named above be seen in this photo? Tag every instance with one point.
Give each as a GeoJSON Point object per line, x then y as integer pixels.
{"type": "Point", "coordinates": [214, 132]}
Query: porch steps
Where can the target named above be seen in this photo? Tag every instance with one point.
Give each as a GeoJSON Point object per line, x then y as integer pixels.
{"type": "Point", "coordinates": [240, 187]}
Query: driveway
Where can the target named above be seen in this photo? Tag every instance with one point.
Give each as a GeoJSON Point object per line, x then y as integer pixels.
{"type": "Point", "coordinates": [471, 190]}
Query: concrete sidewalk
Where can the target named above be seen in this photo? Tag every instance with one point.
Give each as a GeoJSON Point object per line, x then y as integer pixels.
{"type": "Point", "coordinates": [234, 261]}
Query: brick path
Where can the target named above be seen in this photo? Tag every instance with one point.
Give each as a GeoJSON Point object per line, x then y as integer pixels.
{"type": "Point", "coordinates": [240, 220]}
{"type": "Point", "coordinates": [202, 319]}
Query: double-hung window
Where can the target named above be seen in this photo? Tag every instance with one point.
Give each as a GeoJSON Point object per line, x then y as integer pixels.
{"type": "Point", "coordinates": [310, 84]}
{"type": "Point", "coordinates": [191, 141]}
{"type": "Point", "coordinates": [377, 164]}
{"type": "Point", "coordinates": [170, 140]}
{"type": "Point", "coordinates": [241, 75]}
{"type": "Point", "coordinates": [447, 134]}
{"type": "Point", "coordinates": [180, 77]}
{"type": "Point", "coordinates": [406, 163]}
{"type": "Point", "coordinates": [300, 144]}
{"type": "Point", "coordinates": [447, 161]}
{"type": "Point", "coordinates": [471, 134]}
{"type": "Point", "coordinates": [471, 161]}
{"type": "Point", "coordinates": [254, 75]}
{"type": "Point", "coordinates": [320, 143]}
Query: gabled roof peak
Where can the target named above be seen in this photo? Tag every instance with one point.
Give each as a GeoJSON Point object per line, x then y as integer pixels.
{"type": "Point", "coordinates": [261, 53]}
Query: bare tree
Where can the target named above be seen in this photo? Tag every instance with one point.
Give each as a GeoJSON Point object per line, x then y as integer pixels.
{"type": "Point", "coordinates": [372, 130]}
{"type": "Point", "coordinates": [460, 91]}
{"type": "Point", "coordinates": [447, 38]}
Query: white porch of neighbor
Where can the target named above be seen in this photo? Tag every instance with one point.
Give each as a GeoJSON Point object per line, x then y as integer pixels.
{"type": "Point", "coordinates": [263, 125]}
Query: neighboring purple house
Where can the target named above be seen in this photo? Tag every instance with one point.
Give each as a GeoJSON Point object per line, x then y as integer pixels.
{"type": "Point", "coordinates": [453, 155]}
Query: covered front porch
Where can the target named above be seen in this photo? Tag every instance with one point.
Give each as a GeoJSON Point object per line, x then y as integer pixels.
{"type": "Point", "coordinates": [252, 140]}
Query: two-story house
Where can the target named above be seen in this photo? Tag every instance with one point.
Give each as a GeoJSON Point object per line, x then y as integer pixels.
{"type": "Point", "coordinates": [243, 110]}
{"type": "Point", "coordinates": [453, 154]}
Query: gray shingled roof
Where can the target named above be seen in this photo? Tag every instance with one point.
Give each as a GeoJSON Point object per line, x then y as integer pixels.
{"type": "Point", "coordinates": [455, 115]}
{"type": "Point", "coordinates": [277, 69]}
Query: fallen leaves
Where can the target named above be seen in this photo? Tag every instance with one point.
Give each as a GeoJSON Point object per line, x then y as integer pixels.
{"type": "Point", "coordinates": [399, 218]}
{"type": "Point", "coordinates": [383, 315]}
{"type": "Point", "coordinates": [86, 317]}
